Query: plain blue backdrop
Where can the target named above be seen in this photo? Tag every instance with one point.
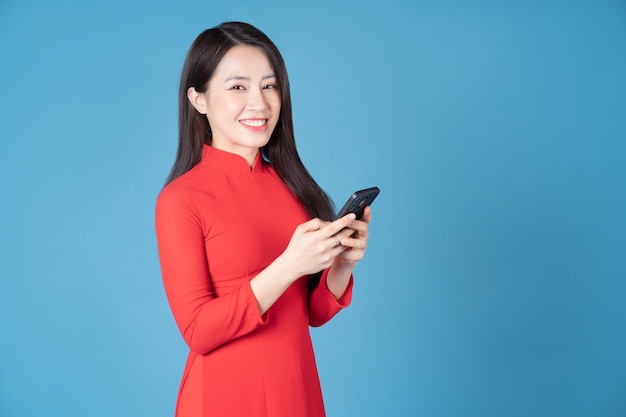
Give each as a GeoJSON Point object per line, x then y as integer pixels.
{"type": "Point", "coordinates": [495, 280]}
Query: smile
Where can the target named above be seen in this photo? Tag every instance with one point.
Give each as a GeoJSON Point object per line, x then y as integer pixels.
{"type": "Point", "coordinates": [253, 122]}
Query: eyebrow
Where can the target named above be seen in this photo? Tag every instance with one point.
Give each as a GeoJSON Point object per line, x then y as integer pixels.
{"type": "Point", "coordinates": [240, 77]}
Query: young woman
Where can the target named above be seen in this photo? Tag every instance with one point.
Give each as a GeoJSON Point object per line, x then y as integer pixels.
{"type": "Point", "coordinates": [249, 255]}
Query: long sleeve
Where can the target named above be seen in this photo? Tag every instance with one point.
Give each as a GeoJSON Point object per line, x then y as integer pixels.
{"type": "Point", "coordinates": [205, 322]}
{"type": "Point", "coordinates": [322, 303]}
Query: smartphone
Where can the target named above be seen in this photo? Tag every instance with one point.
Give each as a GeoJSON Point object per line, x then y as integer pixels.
{"type": "Point", "coordinates": [358, 201]}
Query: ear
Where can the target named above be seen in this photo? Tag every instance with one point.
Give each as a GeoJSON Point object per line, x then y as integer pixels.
{"type": "Point", "coordinates": [197, 100]}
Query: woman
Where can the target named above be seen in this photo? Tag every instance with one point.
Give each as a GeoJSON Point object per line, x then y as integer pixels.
{"type": "Point", "coordinates": [248, 253]}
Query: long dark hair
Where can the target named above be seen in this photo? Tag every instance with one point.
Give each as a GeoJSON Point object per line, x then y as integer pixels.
{"type": "Point", "coordinates": [194, 131]}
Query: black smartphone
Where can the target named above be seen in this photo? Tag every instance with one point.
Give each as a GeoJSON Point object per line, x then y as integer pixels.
{"type": "Point", "coordinates": [358, 201]}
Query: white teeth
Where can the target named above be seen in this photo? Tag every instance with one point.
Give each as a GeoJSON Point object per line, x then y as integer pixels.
{"type": "Point", "coordinates": [253, 123]}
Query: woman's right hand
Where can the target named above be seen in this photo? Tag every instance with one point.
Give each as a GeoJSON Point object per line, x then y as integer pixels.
{"type": "Point", "coordinates": [313, 247]}
{"type": "Point", "coordinates": [315, 244]}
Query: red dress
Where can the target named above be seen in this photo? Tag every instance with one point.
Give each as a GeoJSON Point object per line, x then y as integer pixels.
{"type": "Point", "coordinates": [219, 225]}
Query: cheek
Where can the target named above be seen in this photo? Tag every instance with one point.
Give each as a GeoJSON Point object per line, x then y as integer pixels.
{"type": "Point", "coordinates": [225, 105]}
{"type": "Point", "coordinates": [275, 105]}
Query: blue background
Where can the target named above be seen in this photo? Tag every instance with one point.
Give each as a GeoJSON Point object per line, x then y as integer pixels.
{"type": "Point", "coordinates": [495, 281]}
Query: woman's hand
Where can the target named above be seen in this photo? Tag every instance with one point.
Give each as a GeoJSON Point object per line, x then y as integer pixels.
{"type": "Point", "coordinates": [356, 243]}
{"type": "Point", "coordinates": [315, 244]}
{"type": "Point", "coordinates": [313, 247]}
{"type": "Point", "coordinates": [354, 249]}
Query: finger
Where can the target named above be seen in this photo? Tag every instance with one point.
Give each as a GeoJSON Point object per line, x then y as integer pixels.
{"type": "Point", "coordinates": [347, 232]}
{"type": "Point", "coordinates": [353, 243]}
{"type": "Point", "coordinates": [338, 250]}
{"type": "Point", "coordinates": [333, 228]}
{"type": "Point", "coordinates": [312, 225]}
{"type": "Point", "coordinates": [359, 226]}
{"type": "Point", "coordinates": [367, 215]}
{"type": "Point", "coordinates": [335, 240]}
{"type": "Point", "coordinates": [359, 230]}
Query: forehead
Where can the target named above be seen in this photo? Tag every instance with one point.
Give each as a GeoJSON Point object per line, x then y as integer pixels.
{"type": "Point", "coordinates": [245, 61]}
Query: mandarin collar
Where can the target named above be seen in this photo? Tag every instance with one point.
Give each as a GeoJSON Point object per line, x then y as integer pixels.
{"type": "Point", "coordinates": [227, 161]}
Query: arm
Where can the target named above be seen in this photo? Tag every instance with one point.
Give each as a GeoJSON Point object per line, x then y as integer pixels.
{"type": "Point", "coordinates": [205, 321]}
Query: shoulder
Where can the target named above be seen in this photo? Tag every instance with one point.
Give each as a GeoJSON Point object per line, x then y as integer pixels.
{"type": "Point", "coordinates": [184, 192]}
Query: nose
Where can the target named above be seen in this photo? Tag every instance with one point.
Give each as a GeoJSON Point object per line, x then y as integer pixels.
{"type": "Point", "coordinates": [256, 99]}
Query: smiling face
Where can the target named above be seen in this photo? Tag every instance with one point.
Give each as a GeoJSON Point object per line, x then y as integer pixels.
{"type": "Point", "coordinates": [241, 103]}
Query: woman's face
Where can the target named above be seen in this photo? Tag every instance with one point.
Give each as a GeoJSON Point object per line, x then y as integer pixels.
{"type": "Point", "coordinates": [242, 102]}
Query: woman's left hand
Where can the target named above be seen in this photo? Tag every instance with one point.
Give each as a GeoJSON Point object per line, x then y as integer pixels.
{"type": "Point", "coordinates": [354, 247]}
{"type": "Point", "coordinates": [356, 244]}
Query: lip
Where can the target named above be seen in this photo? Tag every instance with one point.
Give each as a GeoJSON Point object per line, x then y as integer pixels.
{"type": "Point", "coordinates": [257, 125]}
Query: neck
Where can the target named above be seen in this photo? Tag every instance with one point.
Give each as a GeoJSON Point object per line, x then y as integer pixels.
{"type": "Point", "coordinates": [249, 154]}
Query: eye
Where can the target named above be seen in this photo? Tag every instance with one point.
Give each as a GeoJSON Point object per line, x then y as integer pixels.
{"type": "Point", "coordinates": [238, 87]}
{"type": "Point", "coordinates": [272, 86]}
